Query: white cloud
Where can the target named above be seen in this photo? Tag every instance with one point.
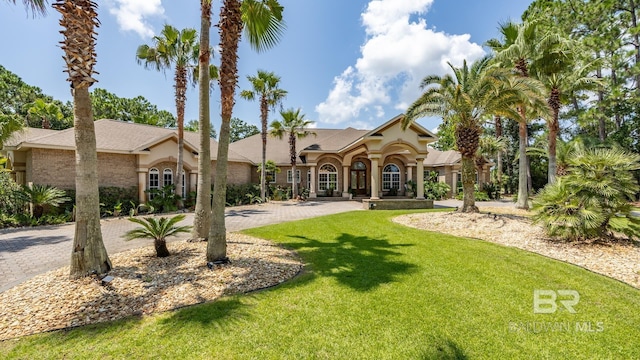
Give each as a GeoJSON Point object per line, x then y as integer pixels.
{"type": "Point", "coordinates": [396, 55]}
{"type": "Point", "coordinates": [131, 15]}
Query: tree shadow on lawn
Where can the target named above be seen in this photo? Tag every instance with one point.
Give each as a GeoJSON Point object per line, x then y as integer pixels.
{"type": "Point", "coordinates": [360, 262]}
{"type": "Point", "coordinates": [445, 349]}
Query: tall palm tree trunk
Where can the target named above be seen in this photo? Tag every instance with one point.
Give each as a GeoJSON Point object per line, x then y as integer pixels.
{"type": "Point", "coordinates": [89, 254]}
{"type": "Point", "coordinates": [264, 111]}
{"type": "Point", "coordinates": [554, 128]}
{"type": "Point", "coordinates": [498, 124]}
{"type": "Point", "coordinates": [202, 216]}
{"type": "Point", "coordinates": [230, 33]}
{"type": "Point", "coordinates": [292, 155]}
{"type": "Point", "coordinates": [468, 185]}
{"type": "Point", "coordinates": [181, 98]}
{"type": "Point", "coordinates": [79, 20]}
{"type": "Point", "coordinates": [523, 192]}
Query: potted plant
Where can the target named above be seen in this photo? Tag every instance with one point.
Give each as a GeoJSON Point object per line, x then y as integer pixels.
{"type": "Point", "coordinates": [411, 188]}
{"type": "Point", "coordinates": [330, 190]}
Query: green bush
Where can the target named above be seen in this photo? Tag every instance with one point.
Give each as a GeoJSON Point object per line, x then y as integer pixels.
{"type": "Point", "coordinates": [163, 199]}
{"type": "Point", "coordinates": [478, 196]}
{"type": "Point", "coordinates": [592, 201]}
{"type": "Point", "coordinates": [242, 194]}
{"type": "Point", "coordinates": [492, 190]}
{"type": "Point", "coordinates": [112, 198]}
{"type": "Point", "coordinates": [11, 202]}
{"type": "Point", "coordinates": [436, 190]}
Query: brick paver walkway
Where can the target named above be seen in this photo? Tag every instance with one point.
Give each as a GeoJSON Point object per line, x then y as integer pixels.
{"type": "Point", "coordinates": [27, 252]}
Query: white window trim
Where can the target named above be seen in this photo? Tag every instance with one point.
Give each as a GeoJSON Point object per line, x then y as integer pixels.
{"type": "Point", "coordinates": [327, 183]}
{"type": "Point", "coordinates": [290, 179]}
{"type": "Point", "coordinates": [391, 180]}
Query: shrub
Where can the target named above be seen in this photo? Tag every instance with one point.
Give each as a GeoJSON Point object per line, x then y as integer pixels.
{"type": "Point", "coordinates": [436, 190]}
{"type": "Point", "coordinates": [163, 199]}
{"type": "Point", "coordinates": [242, 194]}
{"type": "Point", "coordinates": [592, 201]}
{"type": "Point", "coordinates": [11, 202]}
{"type": "Point", "coordinates": [42, 198]}
{"type": "Point", "coordinates": [492, 190]}
{"type": "Point", "coordinates": [477, 195]}
{"type": "Point", "coordinates": [157, 229]}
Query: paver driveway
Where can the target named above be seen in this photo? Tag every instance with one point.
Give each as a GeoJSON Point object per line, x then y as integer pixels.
{"type": "Point", "coordinates": [27, 252]}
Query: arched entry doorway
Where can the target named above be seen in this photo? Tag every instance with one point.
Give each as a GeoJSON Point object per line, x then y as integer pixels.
{"type": "Point", "coordinates": [359, 178]}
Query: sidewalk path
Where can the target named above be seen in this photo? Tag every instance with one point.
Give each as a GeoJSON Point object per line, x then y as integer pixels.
{"type": "Point", "coordinates": [26, 252]}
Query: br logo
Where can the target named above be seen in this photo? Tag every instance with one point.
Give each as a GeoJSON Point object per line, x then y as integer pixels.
{"type": "Point", "coordinates": [546, 301]}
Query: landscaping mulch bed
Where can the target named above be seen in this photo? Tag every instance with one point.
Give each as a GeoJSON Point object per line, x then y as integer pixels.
{"type": "Point", "coordinates": [143, 284]}
{"type": "Point", "coordinates": [618, 259]}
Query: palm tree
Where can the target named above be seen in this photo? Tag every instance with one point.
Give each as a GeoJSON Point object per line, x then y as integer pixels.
{"type": "Point", "coordinates": [202, 216]}
{"type": "Point", "coordinates": [79, 20]}
{"type": "Point", "coordinates": [558, 70]}
{"type": "Point", "coordinates": [467, 98]}
{"type": "Point", "coordinates": [294, 124]}
{"type": "Point", "coordinates": [520, 44]}
{"type": "Point", "coordinates": [35, 6]}
{"type": "Point", "coordinates": [263, 25]}
{"type": "Point", "coordinates": [41, 196]}
{"type": "Point", "coordinates": [45, 112]}
{"type": "Point", "coordinates": [158, 229]}
{"type": "Point", "coordinates": [180, 50]}
{"type": "Point", "coordinates": [9, 124]}
{"type": "Point", "coordinates": [265, 86]}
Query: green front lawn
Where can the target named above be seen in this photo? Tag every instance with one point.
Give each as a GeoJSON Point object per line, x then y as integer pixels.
{"type": "Point", "coordinates": [374, 289]}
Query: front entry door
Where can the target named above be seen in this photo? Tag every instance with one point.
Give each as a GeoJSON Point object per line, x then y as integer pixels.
{"type": "Point", "coordinates": [359, 181]}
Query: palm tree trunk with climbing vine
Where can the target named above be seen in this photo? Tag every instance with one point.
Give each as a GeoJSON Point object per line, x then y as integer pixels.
{"type": "Point", "coordinates": [181, 99]}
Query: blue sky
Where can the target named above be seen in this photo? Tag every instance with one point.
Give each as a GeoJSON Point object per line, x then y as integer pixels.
{"type": "Point", "coordinates": [344, 62]}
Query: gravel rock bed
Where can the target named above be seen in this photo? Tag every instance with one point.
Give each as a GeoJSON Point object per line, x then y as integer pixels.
{"type": "Point", "coordinates": [619, 260]}
{"type": "Point", "coordinates": [143, 284]}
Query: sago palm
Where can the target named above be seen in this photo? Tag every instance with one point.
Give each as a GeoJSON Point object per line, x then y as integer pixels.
{"type": "Point", "coordinates": [467, 98]}
{"type": "Point", "coordinates": [295, 126]}
{"type": "Point", "coordinates": [158, 230]}
{"type": "Point", "coordinates": [593, 200]}
{"type": "Point", "coordinates": [264, 86]}
{"type": "Point", "coordinates": [41, 196]}
{"type": "Point", "coordinates": [177, 49]}
{"type": "Point", "coordinates": [263, 25]}
{"type": "Point", "coordinates": [79, 21]}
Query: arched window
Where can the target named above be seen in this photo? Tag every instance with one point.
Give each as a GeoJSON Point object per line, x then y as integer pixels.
{"type": "Point", "coordinates": [359, 165]}
{"type": "Point", "coordinates": [154, 178]}
{"type": "Point", "coordinates": [167, 177]}
{"type": "Point", "coordinates": [390, 177]}
{"type": "Point", "coordinates": [327, 177]}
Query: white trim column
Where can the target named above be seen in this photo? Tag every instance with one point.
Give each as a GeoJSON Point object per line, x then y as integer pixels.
{"type": "Point", "coordinates": [312, 185]}
{"type": "Point", "coordinates": [345, 180]}
{"type": "Point", "coordinates": [193, 180]}
{"type": "Point", "coordinates": [142, 185]}
{"type": "Point", "coordinates": [375, 176]}
{"type": "Point", "coordinates": [420, 179]}
{"type": "Point", "coordinates": [454, 183]}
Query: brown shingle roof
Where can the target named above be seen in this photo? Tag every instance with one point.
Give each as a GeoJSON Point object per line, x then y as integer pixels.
{"type": "Point", "coordinates": [27, 134]}
{"type": "Point", "coordinates": [116, 136]}
{"type": "Point", "coordinates": [326, 140]}
{"type": "Point", "coordinates": [439, 158]}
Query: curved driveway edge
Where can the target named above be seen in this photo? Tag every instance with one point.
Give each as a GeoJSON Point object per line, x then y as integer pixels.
{"type": "Point", "coordinates": [26, 252]}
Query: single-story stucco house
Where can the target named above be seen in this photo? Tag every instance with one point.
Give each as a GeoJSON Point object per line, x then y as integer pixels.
{"type": "Point", "coordinates": [365, 162]}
